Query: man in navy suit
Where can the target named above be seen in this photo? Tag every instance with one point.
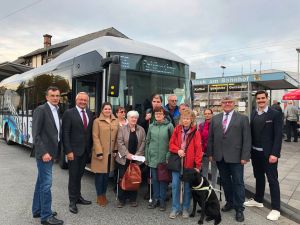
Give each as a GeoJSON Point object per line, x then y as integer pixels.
{"type": "Point", "coordinates": [266, 131]}
{"type": "Point", "coordinates": [77, 126]}
{"type": "Point", "coordinates": [46, 137]}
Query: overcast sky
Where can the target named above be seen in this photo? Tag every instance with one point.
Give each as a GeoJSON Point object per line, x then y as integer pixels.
{"type": "Point", "coordinates": [242, 35]}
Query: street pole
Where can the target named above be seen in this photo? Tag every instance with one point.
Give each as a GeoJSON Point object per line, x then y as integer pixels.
{"type": "Point", "coordinates": [223, 67]}
{"type": "Point", "coordinates": [298, 51]}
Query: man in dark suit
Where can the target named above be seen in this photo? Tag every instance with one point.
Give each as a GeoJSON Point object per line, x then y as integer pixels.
{"type": "Point", "coordinates": [46, 137]}
{"type": "Point", "coordinates": [266, 131]}
{"type": "Point", "coordinates": [229, 144]}
{"type": "Point", "coordinates": [77, 126]}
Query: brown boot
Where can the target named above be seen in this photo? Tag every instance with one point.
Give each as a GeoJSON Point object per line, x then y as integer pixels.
{"type": "Point", "coordinates": [100, 200]}
{"type": "Point", "coordinates": [104, 200]}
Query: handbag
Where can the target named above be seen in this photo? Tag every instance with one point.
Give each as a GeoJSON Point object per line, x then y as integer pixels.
{"type": "Point", "coordinates": [174, 161]}
{"type": "Point", "coordinates": [163, 174]}
{"type": "Point", "coordinates": [132, 178]}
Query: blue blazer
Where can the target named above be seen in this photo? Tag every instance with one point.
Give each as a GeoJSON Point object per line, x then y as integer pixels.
{"type": "Point", "coordinates": [271, 133]}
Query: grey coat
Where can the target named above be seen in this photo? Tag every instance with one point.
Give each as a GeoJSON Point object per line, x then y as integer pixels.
{"type": "Point", "coordinates": [123, 139]}
{"type": "Point", "coordinates": [235, 144]}
{"type": "Point", "coordinates": [44, 131]}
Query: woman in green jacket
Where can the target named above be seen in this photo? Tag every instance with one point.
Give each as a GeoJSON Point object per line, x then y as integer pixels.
{"type": "Point", "coordinates": [157, 151]}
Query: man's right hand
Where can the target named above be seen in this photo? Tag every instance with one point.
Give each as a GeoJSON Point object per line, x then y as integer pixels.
{"type": "Point", "coordinates": [70, 156]}
{"type": "Point", "coordinates": [148, 116]}
{"type": "Point", "coordinates": [46, 157]}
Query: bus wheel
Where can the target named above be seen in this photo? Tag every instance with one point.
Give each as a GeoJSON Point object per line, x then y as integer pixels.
{"type": "Point", "coordinates": [63, 162]}
{"type": "Point", "coordinates": [6, 136]}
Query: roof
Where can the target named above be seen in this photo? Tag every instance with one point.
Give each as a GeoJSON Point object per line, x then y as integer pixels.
{"type": "Point", "coordinates": [103, 45]}
{"type": "Point", "coordinates": [66, 45]}
{"type": "Point", "coordinates": [8, 68]}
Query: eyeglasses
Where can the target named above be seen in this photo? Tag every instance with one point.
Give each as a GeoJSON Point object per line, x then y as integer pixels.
{"type": "Point", "coordinates": [122, 111]}
{"type": "Point", "coordinates": [227, 103]}
{"type": "Point", "coordinates": [173, 100]}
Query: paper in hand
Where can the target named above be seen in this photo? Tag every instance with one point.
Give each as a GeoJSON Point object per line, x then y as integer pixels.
{"type": "Point", "coordinates": [138, 158]}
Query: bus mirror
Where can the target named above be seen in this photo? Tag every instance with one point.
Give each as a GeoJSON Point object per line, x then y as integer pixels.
{"type": "Point", "coordinates": [113, 79]}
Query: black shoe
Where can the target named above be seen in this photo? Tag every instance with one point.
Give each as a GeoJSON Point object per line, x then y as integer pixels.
{"type": "Point", "coordinates": [162, 206]}
{"type": "Point", "coordinates": [73, 208]}
{"type": "Point", "coordinates": [295, 140]}
{"type": "Point", "coordinates": [82, 201]}
{"type": "Point", "coordinates": [227, 207]}
{"type": "Point", "coordinates": [239, 216]}
{"type": "Point", "coordinates": [287, 140]}
{"type": "Point", "coordinates": [153, 204]}
{"type": "Point", "coordinates": [38, 215]}
{"type": "Point", "coordinates": [52, 221]}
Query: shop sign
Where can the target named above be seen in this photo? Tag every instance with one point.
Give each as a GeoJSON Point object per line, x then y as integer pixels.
{"type": "Point", "coordinates": [218, 88]}
{"type": "Point", "coordinates": [200, 88]}
{"type": "Point", "coordinates": [238, 87]}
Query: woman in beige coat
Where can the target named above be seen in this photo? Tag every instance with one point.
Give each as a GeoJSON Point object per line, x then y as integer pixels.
{"type": "Point", "coordinates": [105, 130]}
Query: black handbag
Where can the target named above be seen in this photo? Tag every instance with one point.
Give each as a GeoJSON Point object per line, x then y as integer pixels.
{"type": "Point", "coordinates": [174, 161]}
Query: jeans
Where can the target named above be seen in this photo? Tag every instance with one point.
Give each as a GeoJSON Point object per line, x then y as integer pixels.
{"type": "Point", "coordinates": [232, 179]}
{"type": "Point", "coordinates": [176, 193]}
{"type": "Point", "coordinates": [213, 169]}
{"type": "Point", "coordinates": [261, 166]}
{"type": "Point", "coordinates": [159, 188]}
{"type": "Point", "coordinates": [42, 198]}
{"type": "Point", "coordinates": [101, 183]}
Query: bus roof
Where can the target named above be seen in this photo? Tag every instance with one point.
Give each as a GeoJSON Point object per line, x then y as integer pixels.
{"type": "Point", "coordinates": [102, 45]}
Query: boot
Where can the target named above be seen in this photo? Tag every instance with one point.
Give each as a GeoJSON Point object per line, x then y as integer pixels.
{"type": "Point", "coordinates": [100, 200]}
{"type": "Point", "coordinates": [105, 200]}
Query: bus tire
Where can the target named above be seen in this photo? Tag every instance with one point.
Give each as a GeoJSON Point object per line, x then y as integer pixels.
{"type": "Point", "coordinates": [6, 136]}
{"type": "Point", "coordinates": [62, 162]}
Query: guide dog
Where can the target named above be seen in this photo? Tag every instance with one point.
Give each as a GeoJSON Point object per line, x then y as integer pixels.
{"type": "Point", "coordinates": [205, 196]}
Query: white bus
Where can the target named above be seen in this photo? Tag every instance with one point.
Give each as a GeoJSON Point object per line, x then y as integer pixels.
{"type": "Point", "coordinates": [121, 71]}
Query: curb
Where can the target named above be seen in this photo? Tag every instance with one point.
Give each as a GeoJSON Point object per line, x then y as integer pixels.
{"type": "Point", "coordinates": [285, 209]}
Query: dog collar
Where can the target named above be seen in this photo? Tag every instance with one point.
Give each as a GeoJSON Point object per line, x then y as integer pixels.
{"type": "Point", "coordinates": [199, 186]}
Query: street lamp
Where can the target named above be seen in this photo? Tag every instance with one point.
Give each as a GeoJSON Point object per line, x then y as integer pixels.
{"type": "Point", "coordinates": [298, 51]}
{"type": "Point", "coordinates": [224, 67]}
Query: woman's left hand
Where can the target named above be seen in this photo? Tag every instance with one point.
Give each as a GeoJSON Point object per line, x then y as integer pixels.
{"type": "Point", "coordinates": [197, 170]}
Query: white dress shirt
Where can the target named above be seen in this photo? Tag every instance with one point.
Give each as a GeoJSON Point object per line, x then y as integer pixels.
{"type": "Point", "coordinates": [80, 113]}
{"type": "Point", "coordinates": [264, 111]}
{"type": "Point", "coordinates": [228, 118]}
{"type": "Point", "coordinates": [54, 110]}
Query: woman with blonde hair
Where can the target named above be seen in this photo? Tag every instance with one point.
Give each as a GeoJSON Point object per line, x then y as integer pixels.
{"type": "Point", "coordinates": [105, 130]}
{"type": "Point", "coordinates": [186, 142]}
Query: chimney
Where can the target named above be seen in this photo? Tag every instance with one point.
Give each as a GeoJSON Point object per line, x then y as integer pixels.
{"type": "Point", "coordinates": [47, 40]}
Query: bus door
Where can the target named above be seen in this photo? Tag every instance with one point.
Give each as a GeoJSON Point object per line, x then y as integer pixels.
{"type": "Point", "coordinates": [27, 108]}
{"type": "Point", "coordinates": [91, 85]}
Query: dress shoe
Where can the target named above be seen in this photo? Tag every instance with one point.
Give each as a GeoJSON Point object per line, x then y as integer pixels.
{"type": "Point", "coordinates": [38, 215]}
{"type": "Point", "coordinates": [73, 208]}
{"type": "Point", "coordinates": [82, 201]}
{"type": "Point", "coordinates": [239, 216]}
{"type": "Point", "coordinates": [52, 221]}
{"type": "Point", "coordinates": [287, 140]}
{"type": "Point", "coordinates": [227, 207]}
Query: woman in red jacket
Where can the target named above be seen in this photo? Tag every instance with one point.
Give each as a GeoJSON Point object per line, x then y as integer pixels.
{"type": "Point", "coordinates": [185, 134]}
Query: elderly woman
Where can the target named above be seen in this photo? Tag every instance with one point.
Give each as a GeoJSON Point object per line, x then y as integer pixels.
{"type": "Point", "coordinates": [204, 130]}
{"type": "Point", "coordinates": [186, 142]}
{"type": "Point", "coordinates": [157, 151]}
{"type": "Point", "coordinates": [105, 130]}
{"type": "Point", "coordinates": [131, 141]}
{"type": "Point", "coordinates": [120, 113]}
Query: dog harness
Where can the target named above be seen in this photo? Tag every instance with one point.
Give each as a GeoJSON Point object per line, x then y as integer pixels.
{"type": "Point", "coordinates": [207, 188]}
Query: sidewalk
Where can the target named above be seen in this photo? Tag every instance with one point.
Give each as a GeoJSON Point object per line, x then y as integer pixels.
{"type": "Point", "coordinates": [289, 179]}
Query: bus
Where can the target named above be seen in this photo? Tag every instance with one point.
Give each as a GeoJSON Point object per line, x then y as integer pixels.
{"type": "Point", "coordinates": [121, 71]}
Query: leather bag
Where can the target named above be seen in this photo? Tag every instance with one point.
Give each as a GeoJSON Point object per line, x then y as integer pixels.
{"type": "Point", "coordinates": [163, 174]}
{"type": "Point", "coordinates": [132, 178]}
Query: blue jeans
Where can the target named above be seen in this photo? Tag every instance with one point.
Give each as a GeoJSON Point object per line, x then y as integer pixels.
{"type": "Point", "coordinates": [42, 198]}
{"type": "Point", "coordinates": [232, 179]}
{"type": "Point", "coordinates": [176, 193]}
{"type": "Point", "coordinates": [101, 182]}
{"type": "Point", "coordinates": [159, 188]}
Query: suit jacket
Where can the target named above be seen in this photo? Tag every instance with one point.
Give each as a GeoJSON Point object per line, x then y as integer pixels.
{"type": "Point", "coordinates": [44, 132]}
{"type": "Point", "coordinates": [75, 138]}
{"type": "Point", "coordinates": [235, 144]}
{"type": "Point", "coordinates": [271, 134]}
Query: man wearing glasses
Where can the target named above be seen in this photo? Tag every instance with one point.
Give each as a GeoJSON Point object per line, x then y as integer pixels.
{"type": "Point", "coordinates": [172, 108]}
{"type": "Point", "coordinates": [229, 144]}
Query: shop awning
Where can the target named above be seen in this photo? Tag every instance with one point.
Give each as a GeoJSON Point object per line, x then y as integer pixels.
{"type": "Point", "coordinates": [8, 69]}
{"type": "Point", "coordinates": [293, 95]}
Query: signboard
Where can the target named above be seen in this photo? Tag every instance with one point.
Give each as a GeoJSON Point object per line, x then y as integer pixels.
{"type": "Point", "coordinates": [218, 88]}
{"type": "Point", "coordinates": [238, 87]}
{"type": "Point", "coordinates": [200, 89]}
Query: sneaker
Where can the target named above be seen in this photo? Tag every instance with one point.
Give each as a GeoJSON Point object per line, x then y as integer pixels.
{"type": "Point", "coordinates": [253, 203]}
{"type": "Point", "coordinates": [173, 214]}
{"type": "Point", "coordinates": [273, 215]}
{"type": "Point", "coordinates": [162, 206]}
{"type": "Point", "coordinates": [185, 214]}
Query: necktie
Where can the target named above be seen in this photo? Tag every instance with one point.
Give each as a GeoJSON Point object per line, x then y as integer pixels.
{"type": "Point", "coordinates": [224, 123]}
{"type": "Point", "coordinates": [84, 119]}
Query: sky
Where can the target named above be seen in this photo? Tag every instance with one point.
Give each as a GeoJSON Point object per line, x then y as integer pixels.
{"type": "Point", "coordinates": [241, 35]}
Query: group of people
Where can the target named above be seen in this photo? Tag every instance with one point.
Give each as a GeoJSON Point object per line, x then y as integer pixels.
{"type": "Point", "coordinates": [226, 141]}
